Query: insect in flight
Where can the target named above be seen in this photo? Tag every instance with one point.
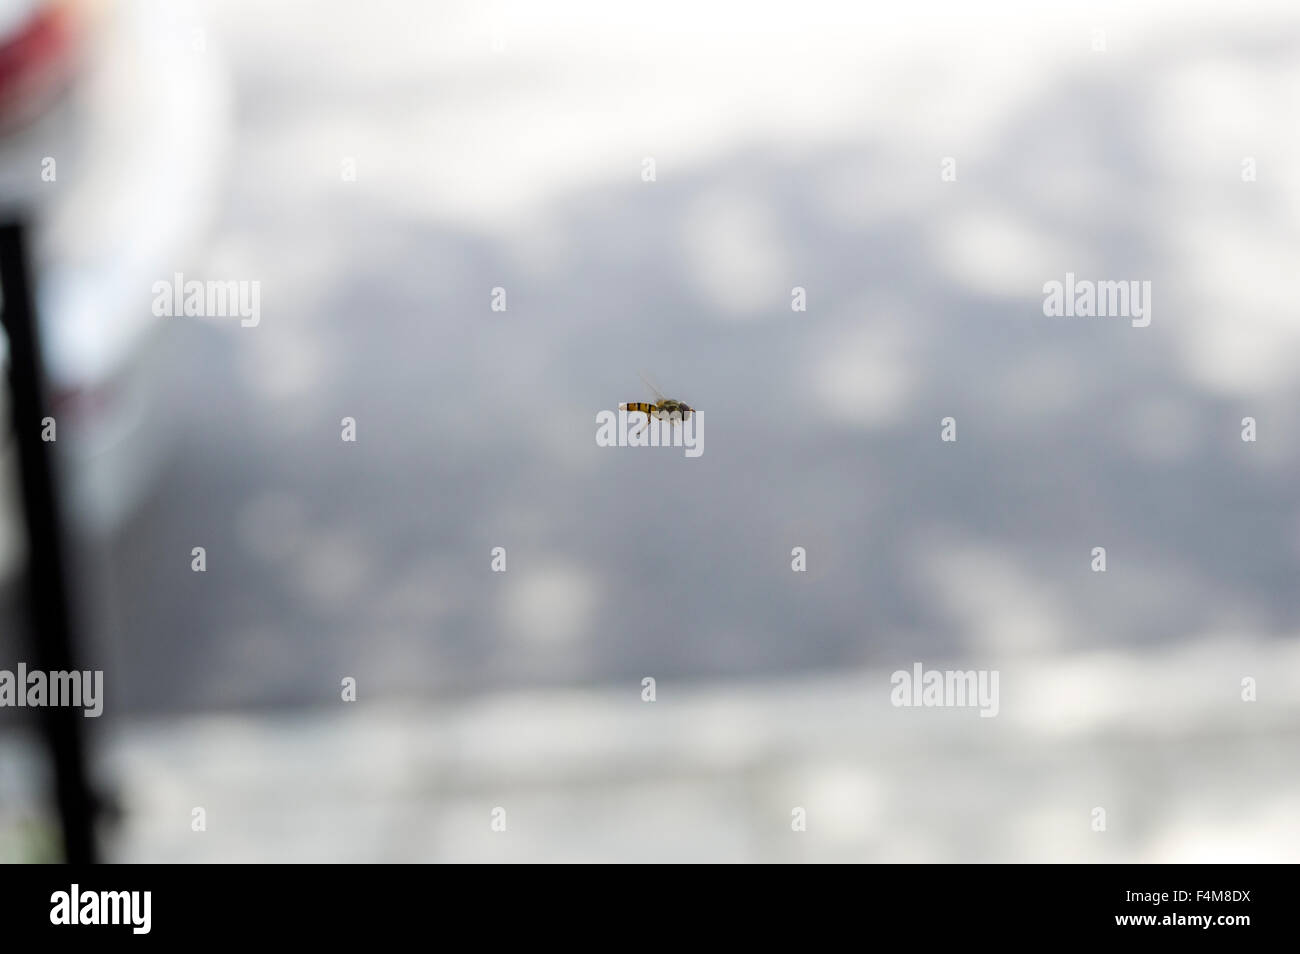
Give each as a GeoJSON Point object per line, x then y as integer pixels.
{"type": "Point", "coordinates": [663, 408]}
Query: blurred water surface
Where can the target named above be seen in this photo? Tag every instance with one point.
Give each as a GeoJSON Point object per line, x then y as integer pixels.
{"type": "Point", "coordinates": [494, 146]}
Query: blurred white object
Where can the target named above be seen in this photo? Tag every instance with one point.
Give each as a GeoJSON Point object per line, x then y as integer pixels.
{"type": "Point", "coordinates": [716, 775]}
{"type": "Point", "coordinates": [113, 126]}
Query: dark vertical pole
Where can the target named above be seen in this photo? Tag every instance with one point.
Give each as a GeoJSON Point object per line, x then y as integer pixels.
{"type": "Point", "coordinates": [52, 643]}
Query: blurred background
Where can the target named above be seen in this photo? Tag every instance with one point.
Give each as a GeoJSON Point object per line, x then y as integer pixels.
{"type": "Point", "coordinates": [380, 168]}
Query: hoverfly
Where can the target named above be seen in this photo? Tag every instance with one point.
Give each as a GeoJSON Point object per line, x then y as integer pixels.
{"type": "Point", "coordinates": [663, 408]}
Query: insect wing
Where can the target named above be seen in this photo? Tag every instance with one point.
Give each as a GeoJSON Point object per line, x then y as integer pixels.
{"type": "Point", "coordinates": [659, 395]}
